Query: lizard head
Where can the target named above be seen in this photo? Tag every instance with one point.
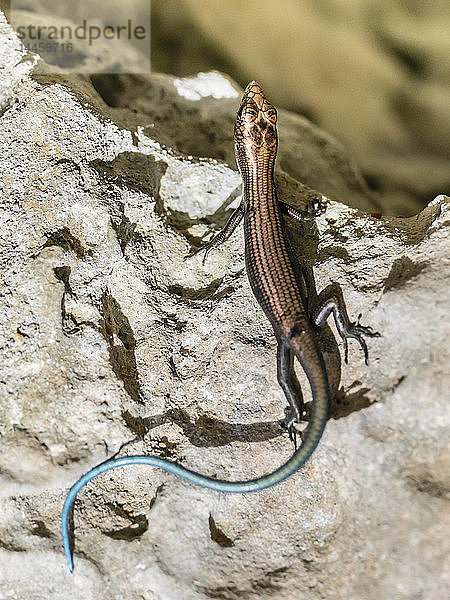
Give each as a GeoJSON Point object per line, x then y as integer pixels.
{"type": "Point", "coordinates": [255, 131]}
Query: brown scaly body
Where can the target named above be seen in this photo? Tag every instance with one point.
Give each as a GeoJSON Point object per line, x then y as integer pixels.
{"type": "Point", "coordinates": [269, 267]}
{"type": "Point", "coordinates": [273, 281]}
{"type": "Point", "coordinates": [271, 272]}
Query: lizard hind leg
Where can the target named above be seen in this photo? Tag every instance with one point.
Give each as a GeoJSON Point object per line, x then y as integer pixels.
{"type": "Point", "coordinates": [291, 388]}
{"type": "Point", "coordinates": [332, 302]}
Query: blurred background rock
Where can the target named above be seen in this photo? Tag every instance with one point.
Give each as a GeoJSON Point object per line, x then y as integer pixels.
{"type": "Point", "coordinates": [374, 73]}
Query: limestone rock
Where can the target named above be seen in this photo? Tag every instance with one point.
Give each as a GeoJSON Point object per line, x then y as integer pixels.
{"type": "Point", "coordinates": [110, 337]}
{"type": "Point", "coordinates": [374, 73]}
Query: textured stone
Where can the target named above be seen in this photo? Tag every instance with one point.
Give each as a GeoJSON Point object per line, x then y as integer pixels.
{"type": "Point", "coordinates": [109, 337]}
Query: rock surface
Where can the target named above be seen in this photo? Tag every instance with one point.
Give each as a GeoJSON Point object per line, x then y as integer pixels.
{"type": "Point", "coordinates": [111, 341]}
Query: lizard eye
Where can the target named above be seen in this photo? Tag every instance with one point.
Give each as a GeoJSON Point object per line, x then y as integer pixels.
{"type": "Point", "coordinates": [250, 114]}
{"type": "Point", "coordinates": [271, 114]}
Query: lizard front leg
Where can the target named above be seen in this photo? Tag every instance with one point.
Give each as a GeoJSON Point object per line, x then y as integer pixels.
{"type": "Point", "coordinates": [314, 208]}
{"type": "Point", "coordinates": [224, 234]}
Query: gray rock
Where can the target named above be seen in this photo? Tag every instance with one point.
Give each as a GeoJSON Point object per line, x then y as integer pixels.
{"type": "Point", "coordinates": [111, 340]}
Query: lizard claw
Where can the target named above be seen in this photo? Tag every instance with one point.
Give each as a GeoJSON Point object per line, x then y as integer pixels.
{"type": "Point", "coordinates": [197, 251]}
{"type": "Point", "coordinates": [291, 431]}
{"type": "Point", "coordinates": [293, 436]}
{"type": "Point", "coordinates": [316, 207]}
{"type": "Point", "coordinates": [288, 424]}
{"type": "Point", "coordinates": [358, 331]}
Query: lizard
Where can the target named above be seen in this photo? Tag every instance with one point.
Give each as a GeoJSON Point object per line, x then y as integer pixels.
{"type": "Point", "coordinates": [281, 293]}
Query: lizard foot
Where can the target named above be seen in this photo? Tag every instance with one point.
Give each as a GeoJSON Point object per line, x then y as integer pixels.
{"type": "Point", "coordinates": [204, 247]}
{"type": "Point", "coordinates": [290, 424]}
{"type": "Point", "coordinates": [316, 207]}
{"type": "Point", "coordinates": [358, 331]}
